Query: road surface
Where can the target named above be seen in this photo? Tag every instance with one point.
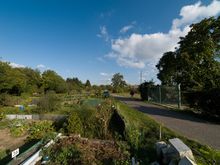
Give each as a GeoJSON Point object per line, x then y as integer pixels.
{"type": "Point", "coordinates": [189, 126]}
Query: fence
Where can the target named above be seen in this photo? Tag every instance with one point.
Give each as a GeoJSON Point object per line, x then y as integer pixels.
{"type": "Point", "coordinates": [36, 117]}
{"type": "Point", "coordinates": [170, 96]}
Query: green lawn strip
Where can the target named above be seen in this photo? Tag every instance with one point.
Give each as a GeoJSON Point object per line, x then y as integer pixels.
{"type": "Point", "coordinates": [147, 131]}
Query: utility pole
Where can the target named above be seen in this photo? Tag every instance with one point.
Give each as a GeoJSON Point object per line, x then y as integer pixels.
{"type": "Point", "coordinates": [141, 76]}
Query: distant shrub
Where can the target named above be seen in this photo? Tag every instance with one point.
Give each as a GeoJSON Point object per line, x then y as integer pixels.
{"type": "Point", "coordinates": [49, 102]}
{"type": "Point", "coordinates": [6, 100]}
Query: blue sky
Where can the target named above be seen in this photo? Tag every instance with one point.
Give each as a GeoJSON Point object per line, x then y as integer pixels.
{"type": "Point", "coordinates": [93, 39]}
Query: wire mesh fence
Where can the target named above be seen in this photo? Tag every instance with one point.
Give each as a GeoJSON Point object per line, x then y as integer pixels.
{"type": "Point", "coordinates": [168, 95]}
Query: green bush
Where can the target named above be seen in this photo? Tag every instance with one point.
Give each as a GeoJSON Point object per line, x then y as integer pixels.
{"type": "Point", "coordinates": [63, 155]}
{"type": "Point", "coordinates": [50, 102]}
{"type": "Point", "coordinates": [74, 124]}
{"type": "Point", "coordinates": [144, 90]}
{"type": "Point", "coordinates": [40, 129]}
{"type": "Point", "coordinates": [3, 153]}
{"type": "Point", "coordinates": [6, 100]}
{"type": "Point", "coordinates": [206, 101]}
{"type": "Point", "coordinates": [18, 128]}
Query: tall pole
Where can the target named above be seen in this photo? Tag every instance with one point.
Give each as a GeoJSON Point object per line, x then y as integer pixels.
{"type": "Point", "coordinates": [141, 77]}
{"type": "Point", "coordinates": [179, 96]}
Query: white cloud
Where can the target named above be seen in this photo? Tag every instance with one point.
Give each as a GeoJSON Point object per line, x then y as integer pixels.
{"type": "Point", "coordinates": [41, 66]}
{"type": "Point", "coordinates": [144, 50]}
{"type": "Point", "coordinates": [126, 28]}
{"type": "Point", "coordinates": [14, 65]}
{"type": "Point", "coordinates": [104, 33]}
{"type": "Point", "coordinates": [104, 74]}
{"type": "Point", "coordinates": [196, 12]}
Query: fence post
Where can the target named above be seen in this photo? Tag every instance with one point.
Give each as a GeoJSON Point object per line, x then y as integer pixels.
{"type": "Point", "coordinates": [160, 94]}
{"type": "Point", "coordinates": [179, 96]}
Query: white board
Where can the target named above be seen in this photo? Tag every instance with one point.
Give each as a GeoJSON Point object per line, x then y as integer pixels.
{"type": "Point", "coordinates": [15, 153]}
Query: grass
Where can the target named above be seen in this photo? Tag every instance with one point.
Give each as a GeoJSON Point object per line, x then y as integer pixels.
{"type": "Point", "coordinates": [146, 132]}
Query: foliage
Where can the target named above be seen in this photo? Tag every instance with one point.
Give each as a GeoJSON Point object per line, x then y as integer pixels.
{"type": "Point", "coordinates": [88, 84]}
{"type": "Point", "coordinates": [147, 131]}
{"type": "Point", "coordinates": [6, 100]}
{"type": "Point", "coordinates": [63, 155]}
{"type": "Point", "coordinates": [144, 89]}
{"type": "Point", "coordinates": [2, 116]}
{"type": "Point", "coordinates": [50, 102]}
{"type": "Point", "coordinates": [76, 150]}
{"type": "Point", "coordinates": [52, 81]}
{"type": "Point", "coordinates": [194, 64]}
{"type": "Point", "coordinates": [118, 82]}
{"type": "Point", "coordinates": [40, 129]}
{"type": "Point", "coordinates": [206, 101]}
{"type": "Point", "coordinates": [74, 84]}
{"type": "Point", "coordinates": [74, 124]}
{"type": "Point", "coordinates": [3, 153]}
{"type": "Point", "coordinates": [18, 128]}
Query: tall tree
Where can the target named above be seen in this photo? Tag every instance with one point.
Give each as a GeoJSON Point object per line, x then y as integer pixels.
{"type": "Point", "coordinates": [167, 67]}
{"type": "Point", "coordinates": [118, 82]}
{"type": "Point", "coordinates": [52, 81]}
{"type": "Point", "coordinates": [194, 63]}
{"type": "Point", "coordinates": [88, 84]}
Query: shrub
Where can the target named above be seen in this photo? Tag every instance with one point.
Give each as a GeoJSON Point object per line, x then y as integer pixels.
{"type": "Point", "coordinates": [144, 89]}
{"type": "Point", "coordinates": [63, 155]}
{"type": "Point", "coordinates": [40, 129]}
{"type": "Point", "coordinates": [74, 124]}
{"type": "Point", "coordinates": [6, 100]}
{"type": "Point", "coordinates": [206, 101]}
{"type": "Point", "coordinates": [49, 102]}
{"type": "Point", "coordinates": [18, 128]}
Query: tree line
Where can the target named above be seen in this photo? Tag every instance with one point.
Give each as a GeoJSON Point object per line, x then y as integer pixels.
{"type": "Point", "coordinates": [16, 81]}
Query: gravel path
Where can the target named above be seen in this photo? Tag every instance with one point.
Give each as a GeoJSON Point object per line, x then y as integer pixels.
{"type": "Point", "coordinates": [189, 126]}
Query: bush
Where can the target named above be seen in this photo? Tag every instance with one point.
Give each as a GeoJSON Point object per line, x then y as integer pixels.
{"type": "Point", "coordinates": [63, 155]}
{"type": "Point", "coordinates": [18, 128]}
{"type": "Point", "coordinates": [74, 124]}
{"type": "Point", "coordinates": [144, 90]}
{"type": "Point", "coordinates": [40, 129]}
{"type": "Point", "coordinates": [49, 102]}
{"type": "Point", "coordinates": [6, 100]}
{"type": "Point", "coordinates": [206, 101]}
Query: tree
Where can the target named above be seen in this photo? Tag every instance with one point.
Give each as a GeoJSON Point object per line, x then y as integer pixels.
{"type": "Point", "coordinates": [88, 84]}
{"type": "Point", "coordinates": [74, 84]}
{"type": "Point", "coordinates": [118, 82]}
{"type": "Point", "coordinates": [52, 81]}
{"type": "Point", "coordinates": [194, 63]}
{"type": "Point", "coordinates": [33, 78]}
{"type": "Point", "coordinates": [74, 124]}
{"type": "Point", "coordinates": [167, 67]}
{"type": "Point", "coordinates": [144, 89]}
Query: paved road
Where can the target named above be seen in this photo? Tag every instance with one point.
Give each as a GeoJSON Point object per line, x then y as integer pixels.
{"type": "Point", "coordinates": [189, 126]}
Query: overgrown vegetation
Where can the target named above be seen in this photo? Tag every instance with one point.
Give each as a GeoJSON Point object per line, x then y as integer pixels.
{"type": "Point", "coordinates": [142, 133]}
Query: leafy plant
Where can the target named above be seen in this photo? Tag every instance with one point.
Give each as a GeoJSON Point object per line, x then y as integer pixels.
{"type": "Point", "coordinates": [74, 124]}
{"type": "Point", "coordinates": [40, 129]}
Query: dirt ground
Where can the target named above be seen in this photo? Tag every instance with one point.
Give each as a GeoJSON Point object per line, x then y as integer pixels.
{"type": "Point", "coordinates": [9, 142]}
